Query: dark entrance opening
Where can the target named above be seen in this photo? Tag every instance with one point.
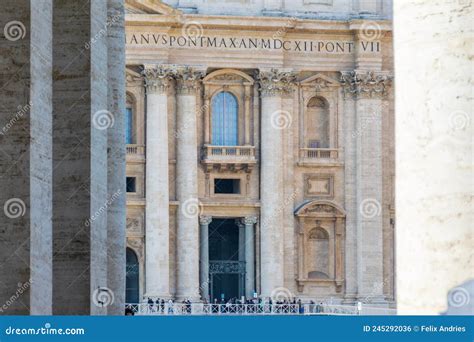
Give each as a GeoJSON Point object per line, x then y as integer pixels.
{"type": "Point", "coordinates": [132, 278]}
{"type": "Point", "coordinates": [226, 272]}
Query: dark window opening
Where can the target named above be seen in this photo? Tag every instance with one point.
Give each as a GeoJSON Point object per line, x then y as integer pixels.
{"type": "Point", "coordinates": [226, 186]}
{"type": "Point", "coordinates": [131, 184]}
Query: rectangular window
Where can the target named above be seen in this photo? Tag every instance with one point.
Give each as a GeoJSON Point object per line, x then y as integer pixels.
{"type": "Point", "coordinates": [131, 184]}
{"type": "Point", "coordinates": [129, 126]}
{"type": "Point", "coordinates": [226, 186]}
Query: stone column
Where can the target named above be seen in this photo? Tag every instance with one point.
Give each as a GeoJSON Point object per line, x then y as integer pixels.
{"type": "Point", "coordinates": [116, 211]}
{"type": "Point", "coordinates": [187, 238]}
{"type": "Point", "coordinates": [158, 80]}
{"type": "Point", "coordinates": [368, 88]}
{"type": "Point", "coordinates": [204, 222]}
{"type": "Point", "coordinates": [273, 85]}
{"type": "Point", "coordinates": [434, 157]}
{"type": "Point", "coordinates": [249, 223]}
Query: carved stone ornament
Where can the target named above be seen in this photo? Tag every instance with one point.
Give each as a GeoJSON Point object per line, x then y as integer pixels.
{"type": "Point", "coordinates": [367, 84]}
{"type": "Point", "coordinates": [187, 80]}
{"type": "Point", "coordinates": [158, 79]}
{"type": "Point", "coordinates": [276, 82]}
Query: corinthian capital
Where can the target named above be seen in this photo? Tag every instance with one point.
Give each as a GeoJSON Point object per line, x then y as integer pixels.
{"type": "Point", "coordinates": [275, 82]}
{"type": "Point", "coordinates": [249, 220]}
{"type": "Point", "coordinates": [187, 80]}
{"type": "Point", "coordinates": [205, 220]}
{"type": "Point", "coordinates": [158, 78]}
{"type": "Point", "coordinates": [365, 84]}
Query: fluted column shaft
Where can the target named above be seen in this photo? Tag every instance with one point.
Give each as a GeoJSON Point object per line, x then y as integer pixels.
{"type": "Point", "coordinates": [158, 82]}
{"type": "Point", "coordinates": [204, 222]}
{"type": "Point", "coordinates": [273, 86]}
{"type": "Point", "coordinates": [249, 223]}
{"type": "Point", "coordinates": [187, 85]}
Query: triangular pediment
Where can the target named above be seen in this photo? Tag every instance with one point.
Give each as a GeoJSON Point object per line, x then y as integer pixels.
{"type": "Point", "coordinates": [319, 81]}
{"type": "Point", "coordinates": [132, 75]}
{"type": "Point", "coordinates": [148, 7]}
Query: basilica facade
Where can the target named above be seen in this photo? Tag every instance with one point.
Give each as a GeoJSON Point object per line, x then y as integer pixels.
{"type": "Point", "coordinates": [260, 150]}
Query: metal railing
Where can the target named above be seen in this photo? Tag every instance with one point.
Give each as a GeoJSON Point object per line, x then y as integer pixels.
{"type": "Point", "coordinates": [134, 149]}
{"type": "Point", "coordinates": [318, 153]}
{"type": "Point", "coordinates": [256, 309]}
{"type": "Point", "coordinates": [229, 152]}
{"type": "Point", "coordinates": [213, 309]}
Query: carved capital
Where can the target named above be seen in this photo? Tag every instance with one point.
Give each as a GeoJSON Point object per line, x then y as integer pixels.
{"type": "Point", "coordinates": [276, 83]}
{"type": "Point", "coordinates": [249, 220]}
{"type": "Point", "coordinates": [187, 80]}
{"type": "Point", "coordinates": [365, 84]}
{"type": "Point", "coordinates": [205, 220]}
{"type": "Point", "coordinates": [158, 79]}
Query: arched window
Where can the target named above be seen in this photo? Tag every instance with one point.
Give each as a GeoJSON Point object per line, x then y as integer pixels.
{"type": "Point", "coordinates": [319, 252]}
{"type": "Point", "coordinates": [317, 123]}
{"type": "Point", "coordinates": [224, 119]}
{"type": "Point", "coordinates": [132, 280]}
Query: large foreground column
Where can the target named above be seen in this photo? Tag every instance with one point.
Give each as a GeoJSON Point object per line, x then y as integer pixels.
{"type": "Point", "coordinates": [116, 214]}
{"type": "Point", "coordinates": [187, 85]}
{"type": "Point", "coordinates": [158, 81]}
{"type": "Point", "coordinates": [54, 236]}
{"type": "Point", "coordinates": [433, 66]}
{"type": "Point", "coordinates": [273, 85]}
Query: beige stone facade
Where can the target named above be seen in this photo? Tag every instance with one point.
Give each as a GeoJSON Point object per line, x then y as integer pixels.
{"type": "Point", "coordinates": [314, 158]}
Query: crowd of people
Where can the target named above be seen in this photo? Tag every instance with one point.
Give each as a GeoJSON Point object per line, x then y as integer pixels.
{"type": "Point", "coordinates": [233, 305]}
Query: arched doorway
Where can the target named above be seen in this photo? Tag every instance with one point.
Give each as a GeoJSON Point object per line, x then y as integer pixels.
{"type": "Point", "coordinates": [132, 278]}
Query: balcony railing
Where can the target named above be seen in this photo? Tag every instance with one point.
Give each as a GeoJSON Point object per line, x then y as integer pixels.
{"type": "Point", "coordinates": [229, 152]}
{"type": "Point", "coordinates": [228, 157]}
{"type": "Point", "coordinates": [256, 309]}
{"type": "Point", "coordinates": [133, 149]}
{"type": "Point", "coordinates": [313, 154]}
{"type": "Point", "coordinates": [213, 309]}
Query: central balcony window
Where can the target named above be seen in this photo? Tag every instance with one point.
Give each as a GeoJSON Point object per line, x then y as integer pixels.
{"type": "Point", "coordinates": [224, 119]}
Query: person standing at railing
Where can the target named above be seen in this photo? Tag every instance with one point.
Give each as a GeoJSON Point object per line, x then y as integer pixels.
{"type": "Point", "coordinates": [150, 304]}
{"type": "Point", "coordinates": [300, 307]}
{"type": "Point", "coordinates": [162, 306]}
{"type": "Point", "coordinates": [170, 307]}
